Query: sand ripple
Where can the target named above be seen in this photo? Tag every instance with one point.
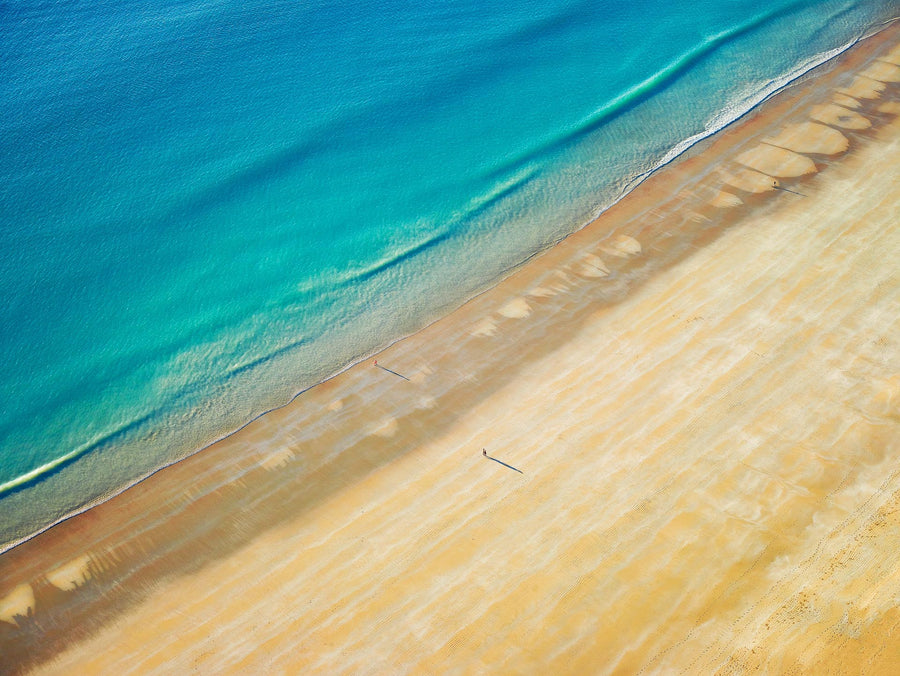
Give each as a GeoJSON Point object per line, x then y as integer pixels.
{"type": "Point", "coordinates": [838, 116]}
{"type": "Point", "coordinates": [863, 88]}
{"type": "Point", "coordinates": [883, 72]}
{"type": "Point", "coordinates": [17, 603]}
{"type": "Point", "coordinates": [810, 137]}
{"type": "Point", "coordinates": [724, 200]}
{"type": "Point", "coordinates": [748, 180]}
{"type": "Point", "coordinates": [593, 266]}
{"type": "Point", "coordinates": [773, 161]}
{"type": "Point", "coordinates": [516, 309]}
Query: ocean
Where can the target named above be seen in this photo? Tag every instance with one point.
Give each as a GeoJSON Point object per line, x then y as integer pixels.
{"type": "Point", "coordinates": [208, 206]}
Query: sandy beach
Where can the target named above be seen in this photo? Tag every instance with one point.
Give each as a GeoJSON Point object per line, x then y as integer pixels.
{"type": "Point", "coordinates": [667, 445]}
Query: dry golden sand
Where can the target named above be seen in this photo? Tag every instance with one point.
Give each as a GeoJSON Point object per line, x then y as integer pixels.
{"type": "Point", "coordinates": [702, 393]}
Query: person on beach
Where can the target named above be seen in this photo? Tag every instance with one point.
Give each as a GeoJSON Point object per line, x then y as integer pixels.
{"type": "Point", "coordinates": [484, 452]}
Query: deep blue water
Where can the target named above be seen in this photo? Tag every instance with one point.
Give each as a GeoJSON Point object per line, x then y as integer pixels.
{"type": "Point", "coordinates": [208, 206]}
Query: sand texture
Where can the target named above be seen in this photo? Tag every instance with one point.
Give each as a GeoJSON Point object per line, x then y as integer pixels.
{"type": "Point", "coordinates": [691, 411]}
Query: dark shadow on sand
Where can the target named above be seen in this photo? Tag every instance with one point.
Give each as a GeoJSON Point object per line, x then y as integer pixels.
{"type": "Point", "coordinates": [504, 464]}
{"type": "Point", "coordinates": [399, 375]}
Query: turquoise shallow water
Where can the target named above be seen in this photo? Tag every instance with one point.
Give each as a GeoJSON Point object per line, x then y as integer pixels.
{"type": "Point", "coordinates": [207, 207]}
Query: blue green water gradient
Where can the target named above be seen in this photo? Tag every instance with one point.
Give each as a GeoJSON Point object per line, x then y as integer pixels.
{"type": "Point", "coordinates": [208, 206]}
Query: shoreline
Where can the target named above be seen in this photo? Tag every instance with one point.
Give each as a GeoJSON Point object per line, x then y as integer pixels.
{"type": "Point", "coordinates": [247, 468]}
{"type": "Point", "coordinates": [680, 153]}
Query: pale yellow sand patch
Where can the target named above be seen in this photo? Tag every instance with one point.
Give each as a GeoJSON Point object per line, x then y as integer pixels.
{"type": "Point", "coordinates": [774, 161]}
{"type": "Point", "coordinates": [748, 180]}
{"type": "Point", "coordinates": [486, 327]}
{"type": "Point", "coordinates": [565, 281]}
{"type": "Point", "coordinates": [883, 72]}
{"type": "Point", "coordinates": [18, 602]}
{"type": "Point", "coordinates": [516, 309]}
{"type": "Point", "coordinates": [890, 107]}
{"type": "Point", "coordinates": [886, 398]}
{"type": "Point", "coordinates": [420, 375]}
{"type": "Point", "coordinates": [72, 574]}
{"type": "Point", "coordinates": [846, 101]}
{"type": "Point", "coordinates": [336, 405]}
{"type": "Point", "coordinates": [592, 266]}
{"type": "Point", "coordinates": [541, 292]}
{"type": "Point", "coordinates": [385, 429]}
{"type": "Point", "coordinates": [725, 200]}
{"type": "Point", "coordinates": [622, 246]}
{"type": "Point", "coordinates": [892, 56]}
{"type": "Point", "coordinates": [838, 116]}
{"type": "Point", "coordinates": [863, 88]}
{"type": "Point", "coordinates": [277, 459]}
{"type": "Point", "coordinates": [426, 403]}
{"type": "Point", "coordinates": [810, 137]}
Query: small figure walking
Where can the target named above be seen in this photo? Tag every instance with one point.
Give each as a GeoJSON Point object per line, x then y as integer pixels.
{"type": "Point", "coordinates": [484, 452]}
